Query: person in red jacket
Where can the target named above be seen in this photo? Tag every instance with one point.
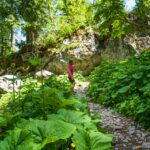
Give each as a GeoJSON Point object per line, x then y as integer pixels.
{"type": "Point", "coordinates": [71, 75]}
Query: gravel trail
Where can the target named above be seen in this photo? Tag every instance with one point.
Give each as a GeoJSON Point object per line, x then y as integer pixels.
{"type": "Point", "coordinates": [128, 135]}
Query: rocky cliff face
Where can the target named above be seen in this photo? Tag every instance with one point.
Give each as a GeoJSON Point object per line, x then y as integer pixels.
{"type": "Point", "coordinates": [138, 42]}
{"type": "Point", "coordinates": [116, 50]}
{"type": "Point", "coordinates": [119, 49]}
{"type": "Point", "coordinates": [82, 47]}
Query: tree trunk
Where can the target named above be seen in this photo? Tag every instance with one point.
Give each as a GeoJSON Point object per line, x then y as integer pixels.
{"type": "Point", "coordinates": [12, 39]}
{"type": "Point", "coordinates": [12, 42]}
{"type": "Point", "coordinates": [1, 32]}
{"type": "Point", "coordinates": [2, 46]}
{"type": "Point", "coordinates": [28, 35]}
{"type": "Point", "coordinates": [31, 35]}
{"type": "Point", "coordinates": [2, 37]}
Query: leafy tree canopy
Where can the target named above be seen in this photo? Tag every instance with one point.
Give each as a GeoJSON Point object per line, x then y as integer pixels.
{"type": "Point", "coordinates": [48, 21]}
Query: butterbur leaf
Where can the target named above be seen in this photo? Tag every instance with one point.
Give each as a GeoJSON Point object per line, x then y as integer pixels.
{"type": "Point", "coordinates": [146, 87]}
{"type": "Point", "coordinates": [29, 146]}
{"type": "Point", "coordinates": [65, 102]}
{"type": "Point", "coordinates": [75, 117]}
{"type": "Point", "coordinates": [55, 117]}
{"type": "Point", "coordinates": [55, 146]}
{"type": "Point", "coordinates": [90, 126]}
{"type": "Point", "coordinates": [123, 89]}
{"type": "Point", "coordinates": [122, 76]}
{"type": "Point", "coordinates": [114, 95]}
{"type": "Point", "coordinates": [18, 140]}
{"type": "Point", "coordinates": [72, 116]}
{"type": "Point", "coordinates": [84, 140]}
{"type": "Point", "coordinates": [137, 75]}
{"type": "Point", "coordinates": [100, 141]}
{"type": "Point", "coordinates": [50, 131]}
{"type": "Point", "coordinates": [81, 140]}
{"type": "Point", "coordinates": [141, 110]}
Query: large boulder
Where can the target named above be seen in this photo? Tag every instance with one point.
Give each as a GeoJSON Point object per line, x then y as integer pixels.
{"type": "Point", "coordinates": [10, 83]}
{"type": "Point", "coordinates": [43, 73]}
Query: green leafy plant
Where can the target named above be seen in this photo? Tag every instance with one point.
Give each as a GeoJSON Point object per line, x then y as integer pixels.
{"type": "Point", "coordinates": [34, 61]}
{"type": "Point", "coordinates": [91, 140]}
{"type": "Point", "coordinates": [124, 86]}
{"type": "Point", "coordinates": [47, 117]}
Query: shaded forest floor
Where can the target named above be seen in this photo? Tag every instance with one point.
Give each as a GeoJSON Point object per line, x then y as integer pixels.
{"type": "Point", "coordinates": [128, 135]}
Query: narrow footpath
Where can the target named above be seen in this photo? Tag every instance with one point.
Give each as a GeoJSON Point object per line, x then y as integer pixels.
{"type": "Point", "coordinates": [128, 135]}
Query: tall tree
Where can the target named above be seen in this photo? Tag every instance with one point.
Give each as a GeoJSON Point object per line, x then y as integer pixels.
{"type": "Point", "coordinates": [4, 31]}
{"type": "Point", "coordinates": [72, 15]}
{"type": "Point", "coordinates": [34, 16]}
{"type": "Point", "coordinates": [142, 11]}
{"type": "Point", "coordinates": [13, 19]}
{"type": "Point", "coordinates": [110, 17]}
{"type": "Point", "coordinates": [8, 20]}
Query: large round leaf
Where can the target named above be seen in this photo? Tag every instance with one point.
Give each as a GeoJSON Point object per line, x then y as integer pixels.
{"type": "Point", "coordinates": [19, 139]}
{"type": "Point", "coordinates": [51, 130]}
{"type": "Point", "coordinates": [71, 116]}
{"type": "Point", "coordinates": [84, 140]}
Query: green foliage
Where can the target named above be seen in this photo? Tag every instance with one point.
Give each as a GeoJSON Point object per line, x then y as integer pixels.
{"type": "Point", "coordinates": [66, 17]}
{"type": "Point", "coordinates": [142, 10]}
{"type": "Point", "coordinates": [3, 121]}
{"type": "Point", "coordinates": [91, 140]}
{"type": "Point", "coordinates": [5, 98]}
{"type": "Point", "coordinates": [71, 116]}
{"type": "Point", "coordinates": [48, 22]}
{"type": "Point", "coordinates": [50, 130]}
{"type": "Point", "coordinates": [45, 116]}
{"type": "Point", "coordinates": [41, 22]}
{"type": "Point", "coordinates": [34, 61]}
{"type": "Point", "coordinates": [124, 86]}
{"type": "Point", "coordinates": [111, 18]}
{"type": "Point", "coordinates": [18, 140]}
{"type": "Point", "coordinates": [61, 81]}
{"type": "Point", "coordinates": [71, 18]}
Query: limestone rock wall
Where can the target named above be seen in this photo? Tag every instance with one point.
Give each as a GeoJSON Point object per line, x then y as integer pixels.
{"type": "Point", "coordinates": [82, 47]}
{"type": "Point", "coordinates": [130, 45]}
{"type": "Point", "coordinates": [85, 48]}
{"type": "Point", "coordinates": [138, 42]}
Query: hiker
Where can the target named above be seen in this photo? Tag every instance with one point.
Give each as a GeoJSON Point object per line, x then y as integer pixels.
{"type": "Point", "coordinates": [71, 75]}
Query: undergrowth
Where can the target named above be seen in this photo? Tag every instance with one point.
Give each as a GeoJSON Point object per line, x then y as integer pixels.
{"type": "Point", "coordinates": [43, 116]}
{"type": "Point", "coordinates": [125, 86]}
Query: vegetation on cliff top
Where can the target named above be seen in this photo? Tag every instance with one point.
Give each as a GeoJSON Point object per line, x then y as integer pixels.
{"type": "Point", "coordinates": [48, 22]}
